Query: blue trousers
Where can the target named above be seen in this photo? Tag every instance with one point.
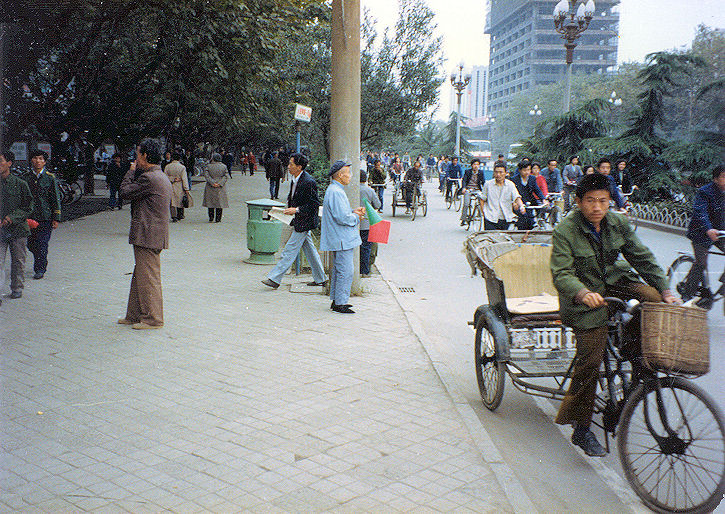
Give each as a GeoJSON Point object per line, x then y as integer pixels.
{"type": "Point", "coordinates": [365, 248]}
{"type": "Point", "coordinates": [297, 241]}
{"type": "Point", "coordinates": [38, 245]}
{"type": "Point", "coordinates": [341, 276]}
{"type": "Point", "coordinates": [274, 188]}
{"type": "Point", "coordinates": [114, 199]}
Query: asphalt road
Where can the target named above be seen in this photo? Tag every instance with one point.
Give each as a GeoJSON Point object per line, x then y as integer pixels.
{"type": "Point", "coordinates": [425, 259]}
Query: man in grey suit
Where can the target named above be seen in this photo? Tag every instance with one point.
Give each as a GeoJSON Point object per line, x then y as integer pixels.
{"type": "Point", "coordinates": [149, 191]}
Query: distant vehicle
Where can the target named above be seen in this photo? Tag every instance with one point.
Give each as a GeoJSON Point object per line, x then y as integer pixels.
{"type": "Point", "coordinates": [480, 149]}
{"type": "Point", "coordinates": [514, 151]}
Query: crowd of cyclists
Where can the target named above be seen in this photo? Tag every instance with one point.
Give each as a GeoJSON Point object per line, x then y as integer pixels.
{"type": "Point", "coordinates": [524, 195]}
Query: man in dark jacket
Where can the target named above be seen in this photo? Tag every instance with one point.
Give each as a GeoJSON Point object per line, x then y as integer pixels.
{"type": "Point", "coordinates": [585, 268]}
{"type": "Point", "coordinates": [149, 191]}
{"type": "Point", "coordinates": [274, 172]}
{"type": "Point", "coordinates": [16, 204]}
{"type": "Point", "coordinates": [228, 161]}
{"type": "Point", "coordinates": [302, 203]}
{"type": "Point", "coordinates": [708, 218]}
{"type": "Point", "coordinates": [472, 183]}
{"type": "Point", "coordinates": [530, 193]}
{"type": "Point", "coordinates": [114, 175]}
{"type": "Point", "coordinates": [46, 210]}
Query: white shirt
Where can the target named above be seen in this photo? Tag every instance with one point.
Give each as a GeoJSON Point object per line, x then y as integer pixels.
{"type": "Point", "coordinates": [499, 200]}
{"type": "Point", "coordinates": [294, 183]}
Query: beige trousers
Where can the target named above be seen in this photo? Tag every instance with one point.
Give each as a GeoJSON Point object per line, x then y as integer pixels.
{"type": "Point", "coordinates": [145, 301]}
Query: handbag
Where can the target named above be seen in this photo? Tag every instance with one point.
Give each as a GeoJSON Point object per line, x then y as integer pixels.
{"type": "Point", "coordinates": [185, 201]}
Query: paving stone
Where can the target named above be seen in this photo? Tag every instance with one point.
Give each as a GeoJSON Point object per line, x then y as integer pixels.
{"type": "Point", "coordinates": [247, 400]}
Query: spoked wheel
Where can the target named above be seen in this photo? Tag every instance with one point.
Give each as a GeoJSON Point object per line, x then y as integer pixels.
{"type": "Point", "coordinates": [457, 201]}
{"type": "Point", "coordinates": [679, 270]}
{"type": "Point", "coordinates": [414, 207]}
{"type": "Point", "coordinates": [449, 199]}
{"type": "Point", "coordinates": [425, 203]}
{"type": "Point", "coordinates": [395, 200]}
{"type": "Point", "coordinates": [681, 469]}
{"type": "Point", "coordinates": [489, 372]}
{"type": "Point", "coordinates": [478, 218]}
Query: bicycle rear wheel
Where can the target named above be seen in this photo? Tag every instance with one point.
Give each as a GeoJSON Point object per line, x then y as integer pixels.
{"type": "Point", "coordinates": [680, 470]}
{"type": "Point", "coordinates": [679, 270]}
{"type": "Point", "coordinates": [449, 198]}
{"type": "Point", "coordinates": [414, 207]}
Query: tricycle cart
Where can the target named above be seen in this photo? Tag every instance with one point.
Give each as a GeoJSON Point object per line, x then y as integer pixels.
{"type": "Point", "coordinates": [419, 200]}
{"type": "Point", "coordinates": [670, 433]}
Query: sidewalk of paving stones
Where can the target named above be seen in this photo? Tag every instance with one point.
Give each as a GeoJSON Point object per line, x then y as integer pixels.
{"type": "Point", "coordinates": [248, 399]}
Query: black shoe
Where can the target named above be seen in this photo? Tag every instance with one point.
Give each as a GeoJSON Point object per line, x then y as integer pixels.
{"type": "Point", "coordinates": [343, 309]}
{"type": "Point", "coordinates": [38, 276]}
{"type": "Point", "coordinates": [270, 283]}
{"type": "Point", "coordinates": [15, 295]}
{"type": "Point", "coordinates": [333, 305]}
{"type": "Point", "coordinates": [174, 220]}
{"type": "Point", "coordinates": [587, 441]}
{"type": "Point", "coordinates": [316, 283]}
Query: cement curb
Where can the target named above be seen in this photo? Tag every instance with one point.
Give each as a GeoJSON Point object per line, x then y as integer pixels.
{"type": "Point", "coordinates": [512, 487]}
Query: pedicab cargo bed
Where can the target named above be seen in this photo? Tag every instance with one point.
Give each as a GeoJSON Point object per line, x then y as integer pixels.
{"type": "Point", "coordinates": [515, 265]}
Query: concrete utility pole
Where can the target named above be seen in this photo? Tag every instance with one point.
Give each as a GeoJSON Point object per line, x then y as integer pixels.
{"type": "Point", "coordinates": [345, 101]}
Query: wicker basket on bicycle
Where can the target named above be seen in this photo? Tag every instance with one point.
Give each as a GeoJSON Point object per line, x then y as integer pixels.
{"type": "Point", "coordinates": [675, 339]}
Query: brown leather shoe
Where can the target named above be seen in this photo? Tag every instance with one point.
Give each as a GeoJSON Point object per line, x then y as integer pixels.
{"type": "Point", "coordinates": [145, 326]}
{"type": "Point", "coordinates": [124, 321]}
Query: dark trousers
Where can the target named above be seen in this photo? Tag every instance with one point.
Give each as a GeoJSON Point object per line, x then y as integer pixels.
{"type": "Point", "coordinates": [114, 199]}
{"type": "Point", "coordinates": [365, 248]}
{"type": "Point", "coordinates": [145, 299]}
{"type": "Point", "coordinates": [38, 245]}
{"type": "Point", "coordinates": [274, 188]}
{"type": "Point", "coordinates": [411, 188]}
{"type": "Point", "coordinates": [215, 214]}
{"type": "Point", "coordinates": [177, 213]}
{"type": "Point", "coordinates": [578, 403]}
{"type": "Point", "coordinates": [525, 221]}
{"type": "Point", "coordinates": [697, 272]}
{"type": "Point", "coordinates": [498, 225]}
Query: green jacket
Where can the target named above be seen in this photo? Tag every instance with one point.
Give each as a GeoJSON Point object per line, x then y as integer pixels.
{"type": "Point", "coordinates": [46, 195]}
{"type": "Point", "coordinates": [17, 202]}
{"type": "Point", "coordinates": [579, 262]}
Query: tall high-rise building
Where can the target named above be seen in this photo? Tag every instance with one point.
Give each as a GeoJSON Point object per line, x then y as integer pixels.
{"type": "Point", "coordinates": [527, 51]}
{"type": "Point", "coordinates": [474, 102]}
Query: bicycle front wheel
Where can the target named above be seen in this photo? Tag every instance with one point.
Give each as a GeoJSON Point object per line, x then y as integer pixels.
{"type": "Point", "coordinates": [673, 451]}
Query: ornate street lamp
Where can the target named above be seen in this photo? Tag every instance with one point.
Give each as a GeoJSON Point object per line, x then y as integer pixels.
{"type": "Point", "coordinates": [570, 24]}
{"type": "Point", "coordinates": [534, 113]}
{"type": "Point", "coordinates": [459, 81]}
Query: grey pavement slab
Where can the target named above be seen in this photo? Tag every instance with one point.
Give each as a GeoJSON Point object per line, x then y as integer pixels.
{"type": "Point", "coordinates": [248, 398]}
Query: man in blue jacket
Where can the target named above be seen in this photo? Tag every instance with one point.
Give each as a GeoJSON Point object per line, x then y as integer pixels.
{"type": "Point", "coordinates": [453, 172]}
{"type": "Point", "coordinates": [303, 204]}
{"type": "Point", "coordinates": [340, 235]}
{"type": "Point", "coordinates": [530, 194]}
{"type": "Point", "coordinates": [708, 217]}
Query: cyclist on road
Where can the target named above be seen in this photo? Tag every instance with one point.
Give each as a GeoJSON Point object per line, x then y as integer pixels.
{"type": "Point", "coordinates": [604, 166]}
{"type": "Point", "coordinates": [585, 268]}
{"type": "Point", "coordinates": [708, 217]}
{"type": "Point", "coordinates": [413, 180]}
{"type": "Point", "coordinates": [396, 170]}
{"type": "Point", "coordinates": [454, 172]}
{"type": "Point", "coordinates": [553, 177]}
{"type": "Point", "coordinates": [571, 175]}
{"type": "Point", "coordinates": [500, 197]}
{"type": "Point", "coordinates": [530, 194]}
{"type": "Point", "coordinates": [472, 184]}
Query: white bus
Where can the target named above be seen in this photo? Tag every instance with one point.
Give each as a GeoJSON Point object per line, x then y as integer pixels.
{"type": "Point", "coordinates": [480, 149]}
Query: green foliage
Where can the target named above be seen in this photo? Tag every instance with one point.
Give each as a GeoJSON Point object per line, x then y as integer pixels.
{"type": "Point", "coordinates": [399, 74]}
{"type": "Point", "coordinates": [190, 69]}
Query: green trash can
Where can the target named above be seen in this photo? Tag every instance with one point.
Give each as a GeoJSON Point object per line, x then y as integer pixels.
{"type": "Point", "coordinates": [263, 231]}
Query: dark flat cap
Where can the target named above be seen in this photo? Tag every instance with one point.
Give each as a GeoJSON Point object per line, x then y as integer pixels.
{"type": "Point", "coordinates": [337, 166]}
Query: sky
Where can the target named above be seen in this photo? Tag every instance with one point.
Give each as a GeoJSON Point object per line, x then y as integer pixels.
{"type": "Point", "coordinates": [645, 26]}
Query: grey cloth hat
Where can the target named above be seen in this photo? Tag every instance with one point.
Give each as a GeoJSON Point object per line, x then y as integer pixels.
{"type": "Point", "coordinates": [337, 166]}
